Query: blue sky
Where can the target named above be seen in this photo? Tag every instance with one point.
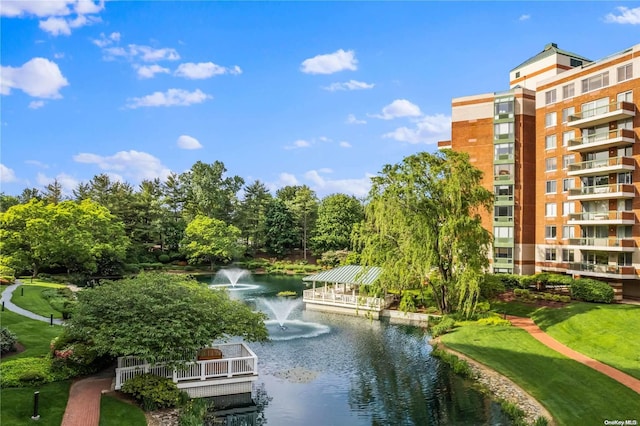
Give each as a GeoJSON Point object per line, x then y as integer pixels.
{"type": "Point", "coordinates": [315, 93]}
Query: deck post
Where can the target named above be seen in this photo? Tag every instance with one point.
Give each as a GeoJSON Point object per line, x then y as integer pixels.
{"type": "Point", "coordinates": [175, 375]}
{"type": "Point", "coordinates": [229, 372]}
{"type": "Point", "coordinates": [202, 370]}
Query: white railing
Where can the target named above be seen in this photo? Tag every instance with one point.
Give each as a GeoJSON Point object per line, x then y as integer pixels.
{"type": "Point", "coordinates": [349, 300]}
{"type": "Point", "coordinates": [237, 360]}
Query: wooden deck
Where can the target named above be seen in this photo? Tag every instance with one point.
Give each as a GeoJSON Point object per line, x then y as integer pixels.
{"type": "Point", "coordinates": [231, 374]}
{"type": "Point", "coordinates": [328, 299]}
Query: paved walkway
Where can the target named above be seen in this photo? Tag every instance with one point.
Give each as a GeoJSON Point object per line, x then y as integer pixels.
{"type": "Point", "coordinates": [8, 305]}
{"type": "Point", "coordinates": [529, 326]}
{"type": "Point", "coordinates": [83, 405]}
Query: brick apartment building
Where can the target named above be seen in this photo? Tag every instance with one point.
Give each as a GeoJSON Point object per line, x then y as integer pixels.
{"type": "Point", "coordinates": [559, 152]}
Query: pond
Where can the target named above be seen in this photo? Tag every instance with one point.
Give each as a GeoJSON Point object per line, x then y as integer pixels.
{"type": "Point", "coordinates": [357, 372]}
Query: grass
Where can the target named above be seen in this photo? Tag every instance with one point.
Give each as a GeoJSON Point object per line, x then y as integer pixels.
{"type": "Point", "coordinates": [572, 392]}
{"type": "Point", "coordinates": [115, 412]}
{"type": "Point", "coordinates": [604, 332]}
{"type": "Point", "coordinates": [516, 308]}
{"type": "Point", "coordinates": [17, 404]}
{"type": "Point", "coordinates": [34, 335]}
{"type": "Point", "coordinates": [32, 299]}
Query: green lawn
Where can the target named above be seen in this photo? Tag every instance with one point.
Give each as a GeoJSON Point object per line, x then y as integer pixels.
{"type": "Point", "coordinates": [572, 392]}
{"type": "Point", "coordinates": [17, 404]}
{"type": "Point", "coordinates": [516, 308]}
{"type": "Point", "coordinates": [608, 333]}
{"type": "Point", "coordinates": [31, 299]}
{"type": "Point", "coordinates": [114, 412]}
{"type": "Point", "coordinates": [34, 335]}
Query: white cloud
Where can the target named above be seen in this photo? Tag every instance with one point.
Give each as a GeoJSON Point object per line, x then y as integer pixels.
{"type": "Point", "coordinates": [130, 164]}
{"type": "Point", "coordinates": [300, 143]}
{"type": "Point", "coordinates": [325, 170]}
{"type": "Point", "coordinates": [358, 187]}
{"type": "Point", "coordinates": [429, 129]}
{"type": "Point", "coordinates": [149, 71]}
{"type": "Point", "coordinates": [105, 40]}
{"type": "Point", "coordinates": [399, 108]}
{"type": "Point", "coordinates": [172, 97]}
{"type": "Point", "coordinates": [19, 8]}
{"type": "Point", "coordinates": [188, 142]}
{"type": "Point", "coordinates": [7, 175]}
{"type": "Point", "coordinates": [524, 17]}
{"type": "Point", "coordinates": [204, 70]}
{"type": "Point", "coordinates": [140, 52]}
{"type": "Point", "coordinates": [625, 16]}
{"type": "Point", "coordinates": [285, 179]}
{"type": "Point", "coordinates": [67, 182]}
{"type": "Point", "coordinates": [36, 104]}
{"type": "Point", "coordinates": [39, 78]}
{"type": "Point", "coordinates": [349, 85]}
{"type": "Point", "coordinates": [59, 55]}
{"type": "Point", "coordinates": [55, 26]}
{"type": "Point", "coordinates": [345, 144]}
{"type": "Point", "coordinates": [330, 63]}
{"type": "Point", "coordinates": [324, 139]}
{"type": "Point", "coordinates": [351, 119]}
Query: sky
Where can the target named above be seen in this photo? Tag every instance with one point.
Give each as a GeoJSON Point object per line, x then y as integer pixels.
{"type": "Point", "coordinates": [322, 94]}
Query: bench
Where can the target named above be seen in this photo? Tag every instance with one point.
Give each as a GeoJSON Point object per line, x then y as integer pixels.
{"type": "Point", "coordinates": [209, 353]}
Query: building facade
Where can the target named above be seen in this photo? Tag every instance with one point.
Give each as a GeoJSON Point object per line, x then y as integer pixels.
{"type": "Point", "coordinates": [559, 152]}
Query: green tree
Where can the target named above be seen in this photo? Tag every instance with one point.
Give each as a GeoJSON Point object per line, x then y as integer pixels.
{"type": "Point", "coordinates": [7, 201]}
{"type": "Point", "coordinates": [252, 214]}
{"type": "Point", "coordinates": [209, 239]}
{"type": "Point", "coordinates": [337, 215]}
{"type": "Point", "coordinates": [160, 316]}
{"type": "Point", "coordinates": [280, 232]}
{"type": "Point", "coordinates": [173, 222]}
{"type": "Point", "coordinates": [303, 203]}
{"type": "Point", "coordinates": [53, 192]}
{"type": "Point", "coordinates": [423, 227]}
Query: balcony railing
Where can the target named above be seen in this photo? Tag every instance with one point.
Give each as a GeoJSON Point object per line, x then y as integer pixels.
{"type": "Point", "coordinates": [503, 260]}
{"type": "Point", "coordinates": [502, 157]}
{"type": "Point", "coordinates": [603, 114]}
{"type": "Point", "coordinates": [614, 190]}
{"type": "Point", "coordinates": [603, 242]}
{"type": "Point", "coordinates": [603, 269]}
{"type": "Point", "coordinates": [602, 140]}
{"type": "Point", "coordinates": [503, 177]}
{"type": "Point", "coordinates": [503, 198]}
{"type": "Point", "coordinates": [503, 241]}
{"type": "Point", "coordinates": [603, 216]}
{"type": "Point", "coordinates": [503, 218]}
{"type": "Point", "coordinates": [606, 165]}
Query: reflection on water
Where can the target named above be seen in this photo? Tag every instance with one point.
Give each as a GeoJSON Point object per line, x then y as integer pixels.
{"type": "Point", "coordinates": [361, 372]}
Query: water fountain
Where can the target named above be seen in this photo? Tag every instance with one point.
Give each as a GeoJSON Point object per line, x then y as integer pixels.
{"type": "Point", "coordinates": [230, 279]}
{"type": "Point", "coordinates": [283, 328]}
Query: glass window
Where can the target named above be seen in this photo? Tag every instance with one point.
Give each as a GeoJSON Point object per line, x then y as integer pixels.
{"type": "Point", "coordinates": [624, 231]}
{"type": "Point", "coordinates": [568, 232]}
{"type": "Point", "coordinates": [626, 124]}
{"type": "Point", "coordinates": [504, 107]}
{"type": "Point", "coordinates": [550, 119]}
{"type": "Point", "coordinates": [550, 254]}
{"type": "Point", "coordinates": [503, 151]}
{"type": "Point", "coordinates": [503, 130]}
{"type": "Point", "coordinates": [503, 190]}
{"type": "Point", "coordinates": [567, 136]}
{"type": "Point", "coordinates": [599, 106]}
{"type": "Point", "coordinates": [503, 169]}
{"type": "Point", "coordinates": [551, 187]}
{"type": "Point", "coordinates": [503, 231]}
{"type": "Point", "coordinates": [550, 231]}
{"type": "Point", "coordinates": [625, 96]}
{"type": "Point", "coordinates": [567, 184]}
{"type": "Point", "coordinates": [568, 207]}
{"type": "Point", "coordinates": [624, 72]}
{"type": "Point", "coordinates": [567, 112]}
{"type": "Point", "coordinates": [625, 259]}
{"type": "Point", "coordinates": [550, 97]}
{"type": "Point", "coordinates": [575, 62]}
{"type": "Point", "coordinates": [503, 252]}
{"type": "Point", "coordinates": [568, 91]}
{"type": "Point", "coordinates": [567, 159]}
{"type": "Point", "coordinates": [550, 210]}
{"type": "Point", "coordinates": [567, 255]}
{"type": "Point", "coordinates": [550, 142]}
{"type": "Point", "coordinates": [595, 82]}
{"type": "Point", "coordinates": [626, 177]}
{"type": "Point", "coordinates": [551, 164]}
{"type": "Point", "coordinates": [503, 211]}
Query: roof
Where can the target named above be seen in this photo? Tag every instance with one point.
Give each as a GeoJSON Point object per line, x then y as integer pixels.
{"type": "Point", "coordinates": [550, 49]}
{"type": "Point", "coordinates": [350, 274]}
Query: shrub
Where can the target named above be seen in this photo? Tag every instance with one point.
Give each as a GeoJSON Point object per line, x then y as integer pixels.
{"type": "Point", "coordinates": [407, 303]}
{"type": "Point", "coordinates": [591, 291]}
{"type": "Point", "coordinates": [514, 412]}
{"type": "Point", "coordinates": [509, 280]}
{"type": "Point", "coordinates": [445, 325]}
{"type": "Point", "coordinates": [164, 258]}
{"type": "Point", "coordinates": [459, 366]}
{"type": "Point", "coordinates": [492, 286]}
{"type": "Point", "coordinates": [565, 299]}
{"type": "Point", "coordinates": [7, 279]}
{"type": "Point", "coordinates": [7, 271]}
{"type": "Point", "coordinates": [153, 392]}
{"type": "Point", "coordinates": [24, 372]}
{"type": "Point", "coordinates": [7, 340]}
{"type": "Point", "coordinates": [195, 413]}
{"type": "Point", "coordinates": [494, 320]}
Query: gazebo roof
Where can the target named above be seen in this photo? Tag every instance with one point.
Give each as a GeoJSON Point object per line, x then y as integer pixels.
{"type": "Point", "coordinates": [350, 274]}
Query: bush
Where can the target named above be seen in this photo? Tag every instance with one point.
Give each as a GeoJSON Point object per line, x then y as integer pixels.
{"type": "Point", "coordinates": [407, 303]}
{"type": "Point", "coordinates": [494, 320]}
{"type": "Point", "coordinates": [492, 286]}
{"type": "Point", "coordinates": [445, 325]}
{"type": "Point", "coordinates": [164, 258]}
{"type": "Point", "coordinates": [590, 290]}
{"type": "Point", "coordinates": [154, 392]}
{"type": "Point", "coordinates": [7, 340]}
{"type": "Point", "coordinates": [459, 366]}
{"type": "Point", "coordinates": [565, 299]}
{"type": "Point", "coordinates": [25, 372]}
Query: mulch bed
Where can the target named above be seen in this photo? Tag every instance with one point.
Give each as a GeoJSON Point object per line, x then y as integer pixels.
{"type": "Point", "coordinates": [17, 349]}
{"type": "Point", "coordinates": [510, 297]}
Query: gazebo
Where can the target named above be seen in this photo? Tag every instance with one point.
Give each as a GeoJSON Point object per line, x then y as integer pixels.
{"type": "Point", "coordinates": [340, 291]}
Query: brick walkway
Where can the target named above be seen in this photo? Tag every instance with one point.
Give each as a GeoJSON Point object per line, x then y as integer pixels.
{"type": "Point", "coordinates": [530, 327]}
{"type": "Point", "coordinates": [83, 406]}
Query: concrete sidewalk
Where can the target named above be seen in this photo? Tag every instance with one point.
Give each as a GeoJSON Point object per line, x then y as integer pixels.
{"type": "Point", "coordinates": [8, 305]}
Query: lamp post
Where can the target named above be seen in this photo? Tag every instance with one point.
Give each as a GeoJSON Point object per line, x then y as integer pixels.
{"type": "Point", "coordinates": [36, 400]}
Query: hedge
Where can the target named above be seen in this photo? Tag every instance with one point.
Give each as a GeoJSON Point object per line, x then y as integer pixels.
{"type": "Point", "coordinates": [590, 290]}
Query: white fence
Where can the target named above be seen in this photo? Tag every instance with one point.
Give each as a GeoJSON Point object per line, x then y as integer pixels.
{"type": "Point", "coordinates": [348, 300]}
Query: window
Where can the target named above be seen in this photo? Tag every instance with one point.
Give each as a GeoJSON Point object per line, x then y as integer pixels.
{"type": "Point", "coordinates": [626, 124]}
{"type": "Point", "coordinates": [568, 208]}
{"type": "Point", "coordinates": [550, 254]}
{"type": "Point", "coordinates": [625, 259]}
{"type": "Point", "coordinates": [599, 106]}
{"type": "Point", "coordinates": [568, 232]}
{"type": "Point", "coordinates": [567, 159]}
{"type": "Point", "coordinates": [626, 177]}
{"type": "Point", "coordinates": [567, 255]}
{"type": "Point", "coordinates": [567, 136]}
{"type": "Point", "coordinates": [503, 170]}
{"type": "Point", "coordinates": [567, 112]}
{"type": "Point", "coordinates": [551, 164]}
{"type": "Point", "coordinates": [551, 187]}
{"type": "Point", "coordinates": [624, 72]}
{"type": "Point", "coordinates": [550, 231]}
{"type": "Point", "coordinates": [503, 107]}
{"type": "Point", "coordinates": [518, 74]}
{"type": "Point", "coordinates": [503, 190]}
{"type": "Point", "coordinates": [624, 232]}
{"type": "Point", "coordinates": [503, 211]}
{"type": "Point", "coordinates": [503, 130]}
{"type": "Point", "coordinates": [550, 97]}
{"type": "Point", "coordinates": [503, 232]}
{"type": "Point", "coordinates": [625, 96]}
{"type": "Point", "coordinates": [550, 119]}
{"type": "Point", "coordinates": [503, 151]}
{"type": "Point", "coordinates": [568, 91]}
{"type": "Point", "coordinates": [503, 252]}
{"type": "Point", "coordinates": [550, 142]}
{"type": "Point", "coordinates": [550, 210]}
{"type": "Point", "coordinates": [568, 184]}
{"type": "Point", "coordinates": [575, 62]}
{"type": "Point", "coordinates": [595, 82]}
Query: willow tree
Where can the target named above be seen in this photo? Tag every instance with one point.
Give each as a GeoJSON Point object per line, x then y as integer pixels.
{"type": "Point", "coordinates": [423, 227]}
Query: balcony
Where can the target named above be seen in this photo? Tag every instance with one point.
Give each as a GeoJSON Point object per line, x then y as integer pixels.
{"type": "Point", "coordinates": [602, 218]}
{"type": "Point", "coordinates": [503, 242]}
{"type": "Point", "coordinates": [502, 262]}
{"type": "Point", "coordinates": [503, 158]}
{"type": "Point", "coordinates": [603, 244]}
{"type": "Point", "coordinates": [602, 192]}
{"type": "Point", "coordinates": [503, 200]}
{"type": "Point", "coordinates": [503, 219]}
{"type": "Point", "coordinates": [602, 167]}
{"type": "Point", "coordinates": [601, 141]}
{"type": "Point", "coordinates": [604, 114]}
{"type": "Point", "coordinates": [602, 271]}
{"type": "Point", "coordinates": [503, 178]}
